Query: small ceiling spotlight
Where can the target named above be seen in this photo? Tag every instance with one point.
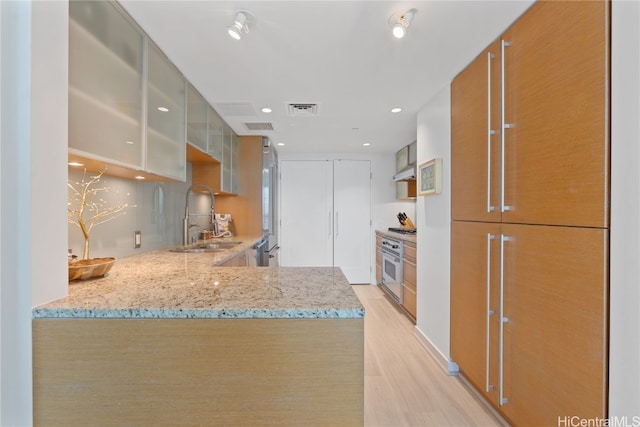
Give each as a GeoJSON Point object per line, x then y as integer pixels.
{"type": "Point", "coordinates": [240, 26]}
{"type": "Point", "coordinates": [400, 22]}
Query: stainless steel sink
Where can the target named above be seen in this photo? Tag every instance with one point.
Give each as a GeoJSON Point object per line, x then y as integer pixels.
{"type": "Point", "coordinates": [205, 247]}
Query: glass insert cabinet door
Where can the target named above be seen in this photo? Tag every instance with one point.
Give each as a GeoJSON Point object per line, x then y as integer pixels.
{"type": "Point", "coordinates": [166, 116]}
{"type": "Point", "coordinates": [105, 84]}
{"type": "Point", "coordinates": [196, 119]}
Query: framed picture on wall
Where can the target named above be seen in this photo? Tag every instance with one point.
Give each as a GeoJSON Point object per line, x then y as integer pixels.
{"type": "Point", "coordinates": [430, 178]}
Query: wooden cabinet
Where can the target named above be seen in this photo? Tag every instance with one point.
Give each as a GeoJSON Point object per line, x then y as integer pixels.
{"type": "Point", "coordinates": [475, 139]}
{"type": "Point", "coordinates": [409, 290]}
{"type": "Point", "coordinates": [529, 255]}
{"type": "Point", "coordinates": [378, 260]}
{"type": "Point", "coordinates": [546, 302]}
{"type": "Point", "coordinates": [556, 89]}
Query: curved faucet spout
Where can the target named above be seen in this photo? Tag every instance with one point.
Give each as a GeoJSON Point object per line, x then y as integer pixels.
{"type": "Point", "coordinates": [185, 231]}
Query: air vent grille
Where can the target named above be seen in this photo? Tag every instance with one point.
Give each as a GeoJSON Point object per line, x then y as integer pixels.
{"type": "Point", "coordinates": [259, 126]}
{"type": "Point", "coordinates": [303, 109]}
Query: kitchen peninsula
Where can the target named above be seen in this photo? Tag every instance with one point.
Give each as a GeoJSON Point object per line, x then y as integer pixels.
{"type": "Point", "coordinates": [173, 339]}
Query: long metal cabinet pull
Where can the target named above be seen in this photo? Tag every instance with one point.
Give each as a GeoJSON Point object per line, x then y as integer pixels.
{"type": "Point", "coordinates": [503, 320]}
{"type": "Point", "coordinates": [330, 228]}
{"type": "Point", "coordinates": [490, 237]}
{"type": "Point", "coordinates": [336, 224]}
{"type": "Point", "coordinates": [490, 132]}
{"type": "Point", "coordinates": [503, 206]}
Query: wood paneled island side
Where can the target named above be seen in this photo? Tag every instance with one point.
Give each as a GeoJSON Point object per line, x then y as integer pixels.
{"type": "Point", "coordinates": [170, 339]}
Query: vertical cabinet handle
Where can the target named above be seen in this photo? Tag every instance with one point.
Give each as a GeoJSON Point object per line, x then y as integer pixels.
{"type": "Point", "coordinates": [503, 320]}
{"type": "Point", "coordinates": [330, 228]}
{"type": "Point", "coordinates": [490, 132]}
{"type": "Point", "coordinates": [488, 386]}
{"type": "Point", "coordinates": [336, 224]}
{"type": "Point", "coordinates": [504, 125]}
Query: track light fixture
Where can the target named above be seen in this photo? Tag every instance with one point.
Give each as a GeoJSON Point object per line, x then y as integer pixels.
{"type": "Point", "coordinates": [400, 22]}
{"type": "Point", "coordinates": [240, 26]}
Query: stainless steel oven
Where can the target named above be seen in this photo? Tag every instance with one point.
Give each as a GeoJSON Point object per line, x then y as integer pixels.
{"type": "Point", "coordinates": [391, 252]}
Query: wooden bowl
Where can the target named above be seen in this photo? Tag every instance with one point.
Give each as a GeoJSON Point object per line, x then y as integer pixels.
{"type": "Point", "coordinates": [84, 269]}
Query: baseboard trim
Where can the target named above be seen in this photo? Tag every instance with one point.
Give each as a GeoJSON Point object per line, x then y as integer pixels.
{"type": "Point", "coordinates": [448, 366]}
{"type": "Point", "coordinates": [480, 398]}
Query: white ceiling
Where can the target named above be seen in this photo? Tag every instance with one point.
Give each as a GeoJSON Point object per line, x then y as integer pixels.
{"type": "Point", "coordinates": [339, 54]}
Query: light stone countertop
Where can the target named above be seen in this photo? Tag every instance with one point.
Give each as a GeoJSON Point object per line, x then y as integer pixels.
{"type": "Point", "coordinates": [163, 284]}
{"type": "Point", "coordinates": [400, 236]}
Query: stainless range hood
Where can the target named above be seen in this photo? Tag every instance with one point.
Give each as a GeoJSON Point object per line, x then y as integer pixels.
{"type": "Point", "coordinates": [406, 174]}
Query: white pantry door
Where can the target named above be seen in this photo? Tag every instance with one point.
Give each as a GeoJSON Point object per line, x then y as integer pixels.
{"type": "Point", "coordinates": [306, 213]}
{"type": "Point", "coordinates": [326, 216]}
{"type": "Point", "coordinates": [352, 219]}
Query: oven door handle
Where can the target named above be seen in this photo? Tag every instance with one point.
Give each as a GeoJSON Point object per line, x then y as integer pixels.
{"type": "Point", "coordinates": [385, 251]}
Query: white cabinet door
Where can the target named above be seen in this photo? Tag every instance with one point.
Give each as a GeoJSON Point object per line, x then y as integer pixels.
{"type": "Point", "coordinates": [352, 219]}
{"type": "Point", "coordinates": [326, 216]}
{"type": "Point", "coordinates": [306, 213]}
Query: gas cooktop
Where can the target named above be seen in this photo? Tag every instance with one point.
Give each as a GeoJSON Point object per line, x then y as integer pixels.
{"type": "Point", "coordinates": [403, 230]}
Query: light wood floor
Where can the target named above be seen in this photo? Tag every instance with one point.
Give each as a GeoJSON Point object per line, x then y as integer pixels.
{"type": "Point", "coordinates": [403, 385]}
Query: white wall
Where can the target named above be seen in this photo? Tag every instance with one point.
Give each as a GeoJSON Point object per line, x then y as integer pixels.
{"type": "Point", "coordinates": [33, 174]}
{"type": "Point", "coordinates": [15, 182]}
{"type": "Point", "coordinates": [433, 216]}
{"type": "Point", "coordinates": [624, 357]}
{"type": "Point", "coordinates": [384, 206]}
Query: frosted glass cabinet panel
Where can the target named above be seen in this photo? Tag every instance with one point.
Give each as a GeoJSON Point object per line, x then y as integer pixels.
{"type": "Point", "coordinates": [166, 103]}
{"type": "Point", "coordinates": [225, 178]}
{"type": "Point", "coordinates": [196, 119]}
{"type": "Point", "coordinates": [216, 134]}
{"type": "Point", "coordinates": [105, 84]}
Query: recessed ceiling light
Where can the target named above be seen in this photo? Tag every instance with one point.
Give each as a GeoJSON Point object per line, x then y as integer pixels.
{"type": "Point", "coordinates": [76, 164]}
{"type": "Point", "coordinates": [366, 144]}
{"type": "Point", "coordinates": [163, 109]}
{"type": "Point", "coordinates": [281, 144]}
{"type": "Point", "coordinates": [129, 142]}
{"type": "Point", "coordinates": [266, 110]}
{"type": "Point", "coordinates": [140, 177]}
{"type": "Point", "coordinates": [396, 110]}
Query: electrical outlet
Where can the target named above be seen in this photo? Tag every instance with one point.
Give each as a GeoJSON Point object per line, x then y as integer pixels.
{"type": "Point", "coordinates": [137, 239]}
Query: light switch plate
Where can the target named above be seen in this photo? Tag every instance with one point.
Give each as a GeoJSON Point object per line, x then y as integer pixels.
{"type": "Point", "coordinates": [137, 239]}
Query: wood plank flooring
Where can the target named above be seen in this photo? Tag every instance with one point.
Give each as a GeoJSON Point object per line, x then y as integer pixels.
{"type": "Point", "coordinates": [404, 386]}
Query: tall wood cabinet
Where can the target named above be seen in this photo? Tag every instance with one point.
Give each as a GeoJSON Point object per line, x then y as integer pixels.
{"type": "Point", "coordinates": [530, 199]}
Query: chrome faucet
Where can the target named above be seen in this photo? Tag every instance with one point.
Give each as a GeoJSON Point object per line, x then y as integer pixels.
{"type": "Point", "coordinates": [185, 231]}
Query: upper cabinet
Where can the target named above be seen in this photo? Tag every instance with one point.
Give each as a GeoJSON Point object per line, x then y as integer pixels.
{"type": "Point", "coordinates": [556, 137]}
{"type": "Point", "coordinates": [128, 102]}
{"type": "Point", "coordinates": [529, 123]}
{"type": "Point", "coordinates": [105, 85]}
{"type": "Point", "coordinates": [197, 119]}
{"type": "Point", "coordinates": [166, 115]}
{"type": "Point", "coordinates": [475, 139]}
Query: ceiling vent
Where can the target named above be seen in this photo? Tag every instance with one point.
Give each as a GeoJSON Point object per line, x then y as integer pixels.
{"type": "Point", "coordinates": [259, 126]}
{"type": "Point", "coordinates": [235, 109]}
{"type": "Point", "coordinates": [302, 110]}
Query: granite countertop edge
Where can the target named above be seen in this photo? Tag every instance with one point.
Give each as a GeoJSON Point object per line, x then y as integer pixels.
{"type": "Point", "coordinates": [213, 313]}
{"type": "Point", "coordinates": [164, 285]}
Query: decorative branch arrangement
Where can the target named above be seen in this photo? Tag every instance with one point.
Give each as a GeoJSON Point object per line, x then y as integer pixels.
{"type": "Point", "coordinates": [87, 208]}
